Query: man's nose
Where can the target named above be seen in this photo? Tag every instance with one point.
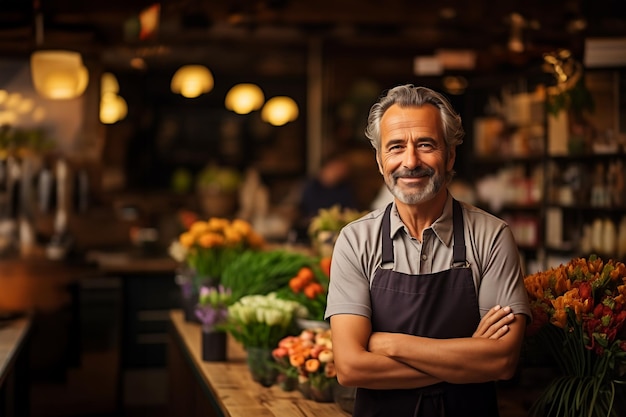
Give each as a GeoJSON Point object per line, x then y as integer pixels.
{"type": "Point", "coordinates": [411, 158]}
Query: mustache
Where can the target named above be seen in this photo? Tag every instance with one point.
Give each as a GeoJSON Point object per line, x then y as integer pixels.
{"type": "Point", "coordinates": [414, 173]}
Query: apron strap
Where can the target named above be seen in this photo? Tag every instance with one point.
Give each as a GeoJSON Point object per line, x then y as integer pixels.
{"type": "Point", "coordinates": [387, 255]}
{"type": "Point", "coordinates": [458, 248]}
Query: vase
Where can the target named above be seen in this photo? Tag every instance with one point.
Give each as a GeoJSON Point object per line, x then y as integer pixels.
{"type": "Point", "coordinates": [322, 392]}
{"type": "Point", "coordinates": [319, 390]}
{"type": "Point", "coordinates": [305, 389]}
{"type": "Point", "coordinates": [344, 397]}
{"type": "Point", "coordinates": [214, 346]}
{"type": "Point", "coordinates": [286, 383]}
{"type": "Point", "coordinates": [262, 365]}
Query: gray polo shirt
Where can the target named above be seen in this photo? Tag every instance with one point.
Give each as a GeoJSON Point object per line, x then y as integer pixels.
{"type": "Point", "coordinates": [491, 251]}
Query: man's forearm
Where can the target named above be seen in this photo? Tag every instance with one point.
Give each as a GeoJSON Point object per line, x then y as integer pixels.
{"type": "Point", "coordinates": [374, 371]}
{"type": "Point", "coordinates": [460, 360]}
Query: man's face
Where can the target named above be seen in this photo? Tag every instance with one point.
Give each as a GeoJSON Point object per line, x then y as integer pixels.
{"type": "Point", "coordinates": [413, 157]}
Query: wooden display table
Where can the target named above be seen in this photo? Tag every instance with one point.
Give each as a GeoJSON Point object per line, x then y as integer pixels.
{"type": "Point", "coordinates": [199, 388]}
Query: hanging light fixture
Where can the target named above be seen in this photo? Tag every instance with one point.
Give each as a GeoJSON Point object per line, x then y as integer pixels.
{"type": "Point", "coordinates": [113, 107]}
{"type": "Point", "coordinates": [244, 98]}
{"type": "Point", "coordinates": [279, 110]}
{"type": "Point", "coordinates": [192, 80]}
{"type": "Point", "coordinates": [58, 74]}
{"type": "Point", "coordinates": [109, 84]}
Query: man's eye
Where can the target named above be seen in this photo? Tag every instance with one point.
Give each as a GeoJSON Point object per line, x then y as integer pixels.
{"type": "Point", "coordinates": [425, 146]}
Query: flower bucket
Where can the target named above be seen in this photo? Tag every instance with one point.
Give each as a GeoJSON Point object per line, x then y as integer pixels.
{"type": "Point", "coordinates": [262, 365]}
{"type": "Point", "coordinates": [286, 383]}
{"type": "Point", "coordinates": [214, 346]}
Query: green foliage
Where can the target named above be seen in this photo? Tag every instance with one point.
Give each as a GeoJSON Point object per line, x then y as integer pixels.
{"type": "Point", "coordinates": [34, 140]}
{"type": "Point", "coordinates": [219, 178]}
{"type": "Point", "coordinates": [262, 272]}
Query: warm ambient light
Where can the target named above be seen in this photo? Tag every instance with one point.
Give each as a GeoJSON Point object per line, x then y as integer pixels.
{"type": "Point", "coordinates": [280, 110]}
{"type": "Point", "coordinates": [109, 84]}
{"type": "Point", "coordinates": [244, 98]}
{"type": "Point", "coordinates": [192, 80]}
{"type": "Point", "coordinates": [113, 108]}
{"type": "Point", "coordinates": [58, 74]}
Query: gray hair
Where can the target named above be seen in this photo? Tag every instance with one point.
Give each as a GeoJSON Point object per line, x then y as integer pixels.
{"type": "Point", "coordinates": [410, 96]}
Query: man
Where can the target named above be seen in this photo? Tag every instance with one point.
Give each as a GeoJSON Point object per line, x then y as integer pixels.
{"type": "Point", "coordinates": [410, 282]}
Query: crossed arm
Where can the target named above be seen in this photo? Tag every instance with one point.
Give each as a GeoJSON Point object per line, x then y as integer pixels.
{"type": "Point", "coordinates": [397, 360]}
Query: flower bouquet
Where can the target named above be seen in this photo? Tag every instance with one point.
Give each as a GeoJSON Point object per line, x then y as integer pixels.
{"type": "Point", "coordinates": [259, 322]}
{"type": "Point", "coordinates": [309, 287]}
{"type": "Point", "coordinates": [324, 228]}
{"type": "Point", "coordinates": [212, 308]}
{"type": "Point", "coordinates": [212, 312]}
{"type": "Point", "coordinates": [206, 248]}
{"type": "Point", "coordinates": [578, 315]}
{"type": "Point", "coordinates": [309, 357]}
{"type": "Point", "coordinates": [211, 245]}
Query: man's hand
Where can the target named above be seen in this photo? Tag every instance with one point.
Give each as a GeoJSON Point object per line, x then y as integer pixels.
{"type": "Point", "coordinates": [495, 323]}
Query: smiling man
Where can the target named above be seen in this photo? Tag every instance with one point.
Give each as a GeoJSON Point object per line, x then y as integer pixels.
{"type": "Point", "coordinates": [426, 300]}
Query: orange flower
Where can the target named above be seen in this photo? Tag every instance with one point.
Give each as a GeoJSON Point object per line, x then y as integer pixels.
{"type": "Point", "coordinates": [306, 275]}
{"type": "Point", "coordinates": [296, 284]}
{"type": "Point", "coordinates": [313, 289]}
{"type": "Point", "coordinates": [312, 365]}
{"type": "Point", "coordinates": [296, 360]}
{"type": "Point", "coordinates": [325, 265]}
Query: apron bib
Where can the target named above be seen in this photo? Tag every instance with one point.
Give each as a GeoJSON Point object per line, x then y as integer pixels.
{"type": "Point", "coordinates": [439, 305]}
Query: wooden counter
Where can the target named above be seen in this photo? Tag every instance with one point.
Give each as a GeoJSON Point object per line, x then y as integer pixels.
{"type": "Point", "coordinates": [226, 388]}
{"type": "Point", "coordinates": [14, 335]}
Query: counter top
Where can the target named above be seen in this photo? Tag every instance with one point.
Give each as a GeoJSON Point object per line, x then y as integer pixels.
{"type": "Point", "coordinates": [232, 388]}
{"type": "Point", "coordinates": [130, 262]}
{"type": "Point", "coordinates": [12, 336]}
{"type": "Point", "coordinates": [37, 284]}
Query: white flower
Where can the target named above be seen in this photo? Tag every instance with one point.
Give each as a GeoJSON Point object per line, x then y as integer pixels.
{"type": "Point", "coordinates": [177, 251]}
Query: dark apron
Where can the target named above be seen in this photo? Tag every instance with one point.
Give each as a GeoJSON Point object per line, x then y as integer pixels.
{"type": "Point", "coordinates": [439, 305]}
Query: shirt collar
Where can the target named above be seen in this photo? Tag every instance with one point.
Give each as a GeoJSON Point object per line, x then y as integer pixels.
{"type": "Point", "coordinates": [442, 227]}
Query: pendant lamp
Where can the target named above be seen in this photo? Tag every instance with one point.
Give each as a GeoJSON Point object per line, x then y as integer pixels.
{"type": "Point", "coordinates": [58, 74]}
{"type": "Point", "coordinates": [109, 84]}
{"type": "Point", "coordinates": [279, 110]}
{"type": "Point", "coordinates": [113, 107]}
{"type": "Point", "coordinates": [192, 80]}
{"type": "Point", "coordinates": [244, 98]}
